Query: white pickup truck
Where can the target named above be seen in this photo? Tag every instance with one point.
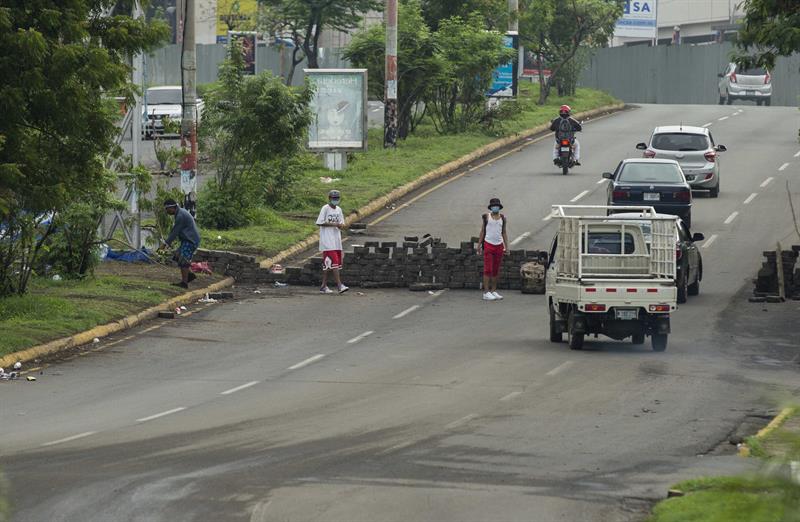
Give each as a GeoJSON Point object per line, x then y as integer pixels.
{"type": "Point", "coordinates": [605, 276]}
{"type": "Point", "coordinates": [165, 102]}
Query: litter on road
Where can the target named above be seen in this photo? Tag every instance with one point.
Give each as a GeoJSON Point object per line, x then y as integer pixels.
{"type": "Point", "coordinates": [206, 299]}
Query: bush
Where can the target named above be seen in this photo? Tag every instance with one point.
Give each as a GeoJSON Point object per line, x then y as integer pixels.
{"type": "Point", "coordinates": [279, 180]}
{"type": "Point", "coordinates": [72, 249]}
{"type": "Point", "coordinates": [225, 208]}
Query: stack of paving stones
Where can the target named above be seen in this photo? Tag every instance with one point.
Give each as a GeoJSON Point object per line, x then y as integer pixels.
{"type": "Point", "coordinates": [239, 266]}
{"type": "Point", "coordinates": [766, 284]}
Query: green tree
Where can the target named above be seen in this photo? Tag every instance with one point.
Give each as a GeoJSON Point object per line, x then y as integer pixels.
{"type": "Point", "coordinates": [417, 63]}
{"type": "Point", "coordinates": [58, 62]}
{"type": "Point", "coordinates": [467, 54]}
{"type": "Point", "coordinates": [771, 28]}
{"type": "Point", "coordinates": [494, 12]}
{"type": "Point", "coordinates": [556, 30]}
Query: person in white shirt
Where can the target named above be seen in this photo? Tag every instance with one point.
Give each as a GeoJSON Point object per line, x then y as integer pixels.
{"type": "Point", "coordinates": [331, 223]}
{"type": "Point", "coordinates": [493, 242]}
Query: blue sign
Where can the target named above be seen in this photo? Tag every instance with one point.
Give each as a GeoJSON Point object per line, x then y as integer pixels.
{"type": "Point", "coordinates": [504, 77]}
{"type": "Point", "coordinates": [638, 19]}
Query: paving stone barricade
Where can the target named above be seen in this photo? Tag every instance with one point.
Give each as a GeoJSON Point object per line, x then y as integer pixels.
{"type": "Point", "coordinates": [767, 284]}
{"type": "Point", "coordinates": [418, 264]}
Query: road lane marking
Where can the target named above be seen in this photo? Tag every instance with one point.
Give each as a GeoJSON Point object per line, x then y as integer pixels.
{"type": "Point", "coordinates": [526, 235]}
{"type": "Point", "coordinates": [750, 198]}
{"type": "Point", "coordinates": [735, 114]}
{"type": "Point", "coordinates": [511, 396]}
{"type": "Point", "coordinates": [560, 368]}
{"type": "Point", "coordinates": [783, 167]}
{"type": "Point", "coordinates": [730, 218]}
{"type": "Point", "coordinates": [307, 361]}
{"type": "Point", "coordinates": [407, 311]}
{"type": "Point", "coordinates": [709, 124]}
{"type": "Point", "coordinates": [709, 241]}
{"type": "Point", "coordinates": [360, 337]}
{"type": "Point", "coordinates": [69, 439]}
{"type": "Point", "coordinates": [151, 328]}
{"type": "Point", "coordinates": [463, 420]}
{"type": "Point", "coordinates": [797, 154]}
{"type": "Point", "coordinates": [239, 388]}
{"type": "Point", "coordinates": [723, 118]}
{"type": "Point", "coordinates": [767, 182]}
{"type": "Point", "coordinates": [162, 414]}
{"type": "Point", "coordinates": [579, 196]}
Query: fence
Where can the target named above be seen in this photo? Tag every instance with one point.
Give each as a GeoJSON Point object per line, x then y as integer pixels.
{"type": "Point", "coordinates": [164, 65]}
{"type": "Point", "coordinates": [685, 74]}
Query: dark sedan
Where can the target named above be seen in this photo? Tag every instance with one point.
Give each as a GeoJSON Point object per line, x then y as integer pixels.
{"type": "Point", "coordinates": [659, 183]}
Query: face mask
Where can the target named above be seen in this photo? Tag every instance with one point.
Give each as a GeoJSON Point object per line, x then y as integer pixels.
{"type": "Point", "coordinates": [334, 202]}
{"type": "Point", "coordinates": [494, 210]}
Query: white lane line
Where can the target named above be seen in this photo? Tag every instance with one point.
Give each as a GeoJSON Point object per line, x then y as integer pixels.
{"type": "Point", "coordinates": [463, 420]}
{"type": "Point", "coordinates": [511, 396]}
{"type": "Point", "coordinates": [723, 118]}
{"type": "Point", "coordinates": [709, 124]}
{"type": "Point", "coordinates": [750, 198]}
{"type": "Point", "coordinates": [360, 337]}
{"type": "Point", "coordinates": [407, 311]}
{"type": "Point", "coordinates": [239, 388]}
{"type": "Point", "coordinates": [602, 180]}
{"type": "Point", "coordinates": [162, 414]}
{"type": "Point", "coordinates": [709, 241]}
{"type": "Point", "coordinates": [766, 182]}
{"type": "Point", "coordinates": [735, 114]}
{"type": "Point", "coordinates": [730, 218]}
{"type": "Point", "coordinates": [579, 196]}
{"type": "Point", "coordinates": [797, 154]}
{"type": "Point", "coordinates": [307, 361]}
{"type": "Point", "coordinates": [560, 368]}
{"type": "Point", "coordinates": [526, 235]}
{"type": "Point", "coordinates": [68, 439]}
{"type": "Point", "coordinates": [783, 167]}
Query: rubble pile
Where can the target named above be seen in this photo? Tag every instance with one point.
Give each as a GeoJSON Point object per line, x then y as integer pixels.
{"type": "Point", "coordinates": [767, 285]}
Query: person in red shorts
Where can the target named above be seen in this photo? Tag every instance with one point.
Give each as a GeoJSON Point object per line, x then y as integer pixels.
{"type": "Point", "coordinates": [493, 243]}
{"type": "Point", "coordinates": [331, 223]}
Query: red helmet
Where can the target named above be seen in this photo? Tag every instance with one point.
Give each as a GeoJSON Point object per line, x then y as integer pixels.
{"type": "Point", "coordinates": [565, 108]}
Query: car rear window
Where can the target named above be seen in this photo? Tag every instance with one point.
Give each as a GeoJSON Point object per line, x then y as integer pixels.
{"type": "Point", "coordinates": [650, 173]}
{"type": "Point", "coordinates": [164, 96]}
{"type": "Point", "coordinates": [754, 71]}
{"type": "Point", "coordinates": [608, 243]}
{"type": "Point", "coordinates": [679, 141]}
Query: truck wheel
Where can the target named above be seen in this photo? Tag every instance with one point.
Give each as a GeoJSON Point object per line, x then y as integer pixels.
{"type": "Point", "coordinates": [728, 99]}
{"type": "Point", "coordinates": [768, 101]}
{"type": "Point", "coordinates": [555, 334]}
{"type": "Point", "coordinates": [721, 99]}
{"type": "Point", "coordinates": [694, 288]}
{"type": "Point", "coordinates": [575, 341]}
{"type": "Point", "coordinates": [659, 342]}
{"type": "Point", "coordinates": [682, 288]}
{"type": "Point", "coordinates": [638, 338]}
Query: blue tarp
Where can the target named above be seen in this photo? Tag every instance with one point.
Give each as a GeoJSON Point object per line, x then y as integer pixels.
{"type": "Point", "coordinates": [130, 256]}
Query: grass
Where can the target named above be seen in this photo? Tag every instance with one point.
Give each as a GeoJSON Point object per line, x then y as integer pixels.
{"type": "Point", "coordinates": [375, 173]}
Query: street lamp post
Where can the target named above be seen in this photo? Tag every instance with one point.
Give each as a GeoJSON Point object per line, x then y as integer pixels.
{"type": "Point", "coordinates": [189, 106]}
{"type": "Point", "coordinates": [390, 89]}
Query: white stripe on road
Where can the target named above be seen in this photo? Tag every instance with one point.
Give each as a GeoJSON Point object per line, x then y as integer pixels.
{"type": "Point", "coordinates": [709, 124]}
{"type": "Point", "coordinates": [360, 337]}
{"type": "Point", "coordinates": [463, 420]}
{"type": "Point", "coordinates": [783, 167]}
{"type": "Point", "coordinates": [511, 396]}
{"type": "Point", "coordinates": [750, 198]}
{"type": "Point", "coordinates": [709, 241]}
{"type": "Point", "coordinates": [731, 218]}
{"type": "Point", "coordinates": [735, 114]}
{"type": "Point", "coordinates": [797, 154]}
{"type": "Point", "coordinates": [526, 235]}
{"type": "Point", "coordinates": [307, 361]}
{"type": "Point", "coordinates": [602, 180]}
{"type": "Point", "coordinates": [68, 439]}
{"type": "Point", "coordinates": [239, 388]}
{"type": "Point", "coordinates": [723, 118]}
{"type": "Point", "coordinates": [579, 196]}
{"type": "Point", "coordinates": [162, 414]}
{"type": "Point", "coordinates": [560, 368]}
{"type": "Point", "coordinates": [767, 182]}
{"type": "Point", "coordinates": [409, 310]}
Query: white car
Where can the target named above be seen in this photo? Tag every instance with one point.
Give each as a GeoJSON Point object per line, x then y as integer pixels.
{"type": "Point", "coordinates": [164, 102]}
{"type": "Point", "coordinates": [753, 84]}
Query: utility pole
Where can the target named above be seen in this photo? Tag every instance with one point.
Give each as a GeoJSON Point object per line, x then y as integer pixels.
{"type": "Point", "coordinates": [189, 115]}
{"type": "Point", "coordinates": [513, 27]}
{"type": "Point", "coordinates": [136, 137]}
{"type": "Point", "coordinates": [390, 91]}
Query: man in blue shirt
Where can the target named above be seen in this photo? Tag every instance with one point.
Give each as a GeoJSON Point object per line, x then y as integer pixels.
{"type": "Point", "coordinates": [184, 229]}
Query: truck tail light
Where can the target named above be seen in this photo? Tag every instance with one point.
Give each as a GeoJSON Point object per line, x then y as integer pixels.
{"type": "Point", "coordinates": [710, 156]}
{"type": "Point", "coordinates": [591, 290]}
{"type": "Point", "coordinates": [733, 77]}
{"type": "Point", "coordinates": [659, 308]}
{"type": "Point", "coordinates": [678, 252]}
{"type": "Point", "coordinates": [683, 195]}
{"type": "Point", "coordinates": [593, 307]}
{"type": "Point", "coordinates": [649, 153]}
{"type": "Point", "coordinates": [767, 78]}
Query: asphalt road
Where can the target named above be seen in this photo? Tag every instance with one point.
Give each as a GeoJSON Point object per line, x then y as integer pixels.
{"type": "Point", "coordinates": [396, 406]}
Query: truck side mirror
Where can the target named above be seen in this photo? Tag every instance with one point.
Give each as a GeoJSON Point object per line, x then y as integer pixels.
{"type": "Point", "coordinates": [641, 146]}
{"type": "Point", "coordinates": [721, 148]}
{"type": "Point", "coordinates": [698, 236]}
{"type": "Point", "coordinates": [608, 175]}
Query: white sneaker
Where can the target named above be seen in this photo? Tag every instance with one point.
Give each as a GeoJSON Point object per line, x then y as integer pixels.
{"type": "Point", "coordinates": [497, 296]}
{"type": "Point", "coordinates": [343, 289]}
{"type": "Point", "coordinates": [488, 296]}
{"type": "Point", "coordinates": [325, 290]}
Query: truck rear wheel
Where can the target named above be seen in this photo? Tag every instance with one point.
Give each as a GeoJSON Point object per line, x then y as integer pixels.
{"type": "Point", "coordinates": [638, 338]}
{"type": "Point", "coordinates": [575, 341]}
{"type": "Point", "coordinates": [659, 342]}
{"type": "Point", "coordinates": [555, 332]}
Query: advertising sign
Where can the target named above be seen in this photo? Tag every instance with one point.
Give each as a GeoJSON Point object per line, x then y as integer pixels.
{"type": "Point", "coordinates": [504, 77]}
{"type": "Point", "coordinates": [235, 15]}
{"type": "Point", "coordinates": [249, 47]}
{"type": "Point", "coordinates": [638, 19]}
{"type": "Point", "coordinates": [339, 110]}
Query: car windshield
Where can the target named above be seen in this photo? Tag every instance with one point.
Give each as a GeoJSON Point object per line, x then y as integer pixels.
{"type": "Point", "coordinates": [164, 96]}
{"type": "Point", "coordinates": [680, 141]}
{"type": "Point", "coordinates": [650, 173]}
{"type": "Point", "coordinates": [755, 71]}
{"type": "Point", "coordinates": [608, 243]}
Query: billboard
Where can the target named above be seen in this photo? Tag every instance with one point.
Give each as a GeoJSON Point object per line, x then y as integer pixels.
{"type": "Point", "coordinates": [249, 43]}
{"type": "Point", "coordinates": [235, 15]}
{"type": "Point", "coordinates": [339, 110]}
{"type": "Point", "coordinates": [504, 77]}
{"type": "Point", "coordinates": [639, 19]}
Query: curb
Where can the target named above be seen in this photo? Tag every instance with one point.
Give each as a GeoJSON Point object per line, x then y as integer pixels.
{"type": "Point", "coordinates": [104, 330]}
{"type": "Point", "coordinates": [774, 424]}
{"type": "Point", "coordinates": [378, 204]}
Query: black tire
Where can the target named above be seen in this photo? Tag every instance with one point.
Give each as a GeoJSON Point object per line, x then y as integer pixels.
{"type": "Point", "coordinates": [759, 102]}
{"type": "Point", "coordinates": [714, 192]}
{"type": "Point", "coordinates": [683, 290]}
{"type": "Point", "coordinates": [637, 338]}
{"type": "Point", "coordinates": [565, 169]}
{"type": "Point", "coordinates": [555, 335]}
{"type": "Point", "coordinates": [694, 288]}
{"type": "Point", "coordinates": [768, 101]}
{"type": "Point", "coordinates": [729, 100]}
{"type": "Point", "coordinates": [688, 220]}
{"type": "Point", "coordinates": [721, 99]}
{"type": "Point", "coordinates": [659, 342]}
{"type": "Point", "coordinates": [575, 341]}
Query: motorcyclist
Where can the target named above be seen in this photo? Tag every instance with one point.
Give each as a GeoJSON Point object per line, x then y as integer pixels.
{"type": "Point", "coordinates": [565, 127]}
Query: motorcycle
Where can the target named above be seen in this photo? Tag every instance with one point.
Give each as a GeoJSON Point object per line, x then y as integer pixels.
{"type": "Point", "coordinates": [566, 156]}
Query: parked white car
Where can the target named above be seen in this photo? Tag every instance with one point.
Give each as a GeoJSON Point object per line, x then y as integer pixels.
{"type": "Point", "coordinates": [164, 102]}
{"type": "Point", "coordinates": [753, 84]}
